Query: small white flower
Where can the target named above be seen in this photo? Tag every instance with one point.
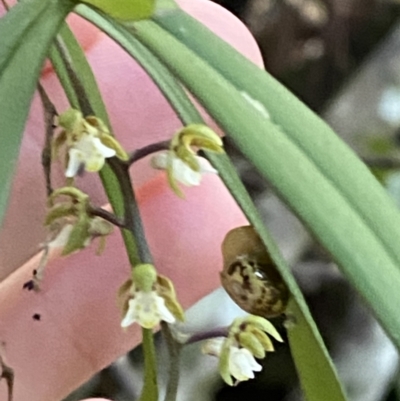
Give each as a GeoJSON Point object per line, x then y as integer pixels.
{"type": "Point", "coordinates": [147, 309]}
{"type": "Point", "coordinates": [89, 151]}
{"type": "Point", "coordinates": [180, 170]}
{"type": "Point", "coordinates": [241, 362]}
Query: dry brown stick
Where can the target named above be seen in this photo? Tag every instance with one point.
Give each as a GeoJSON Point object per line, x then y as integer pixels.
{"type": "Point", "coordinates": [49, 113]}
{"type": "Point", "coordinates": [8, 375]}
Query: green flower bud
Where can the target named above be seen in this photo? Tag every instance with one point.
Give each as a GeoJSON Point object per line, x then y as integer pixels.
{"type": "Point", "coordinates": [144, 277]}
{"type": "Point", "coordinates": [71, 120]}
{"type": "Point", "coordinates": [264, 340]}
{"type": "Point", "coordinates": [264, 325]}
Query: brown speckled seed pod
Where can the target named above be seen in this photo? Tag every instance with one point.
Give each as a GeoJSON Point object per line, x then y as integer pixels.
{"type": "Point", "coordinates": [249, 275]}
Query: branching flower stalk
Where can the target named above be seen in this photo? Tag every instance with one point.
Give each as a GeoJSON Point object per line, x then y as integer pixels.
{"type": "Point", "coordinates": [183, 165]}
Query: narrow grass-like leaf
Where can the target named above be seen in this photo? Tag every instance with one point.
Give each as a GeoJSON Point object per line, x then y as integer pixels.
{"type": "Point", "coordinates": [165, 81]}
{"type": "Point", "coordinates": [321, 198]}
{"type": "Point", "coordinates": [79, 63]}
{"type": "Point", "coordinates": [304, 336]}
{"type": "Point", "coordinates": [26, 32]}
{"type": "Point", "coordinates": [125, 10]}
{"type": "Point", "coordinates": [311, 134]}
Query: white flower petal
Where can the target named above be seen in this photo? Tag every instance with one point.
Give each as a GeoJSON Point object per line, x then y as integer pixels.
{"type": "Point", "coordinates": [130, 316]}
{"type": "Point", "coordinates": [181, 171]}
{"type": "Point", "coordinates": [104, 150]}
{"type": "Point", "coordinates": [85, 144]}
{"type": "Point", "coordinates": [94, 162]}
{"type": "Point", "coordinates": [160, 161]}
{"type": "Point", "coordinates": [62, 238]}
{"type": "Point", "coordinates": [242, 364]}
{"type": "Point", "coordinates": [147, 309]}
{"type": "Point", "coordinates": [90, 151]}
{"type": "Point", "coordinates": [147, 313]}
{"type": "Point", "coordinates": [163, 311]}
{"type": "Point", "coordinates": [184, 174]}
{"type": "Point", "coordinates": [205, 166]}
{"type": "Point", "coordinates": [75, 159]}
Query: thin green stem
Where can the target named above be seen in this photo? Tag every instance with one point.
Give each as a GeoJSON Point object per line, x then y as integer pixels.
{"type": "Point", "coordinates": [118, 186]}
{"type": "Point", "coordinates": [174, 350]}
{"type": "Point", "coordinates": [133, 221]}
{"type": "Point", "coordinates": [150, 386]}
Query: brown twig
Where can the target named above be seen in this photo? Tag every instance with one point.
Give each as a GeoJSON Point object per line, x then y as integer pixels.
{"type": "Point", "coordinates": [8, 375]}
{"type": "Point", "coordinates": [106, 215]}
{"type": "Point", "coordinates": [147, 150]}
{"type": "Point", "coordinates": [49, 113]}
{"type": "Point", "coordinates": [206, 335]}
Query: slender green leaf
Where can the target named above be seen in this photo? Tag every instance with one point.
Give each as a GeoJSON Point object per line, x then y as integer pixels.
{"type": "Point", "coordinates": [79, 63]}
{"type": "Point", "coordinates": [328, 201]}
{"type": "Point", "coordinates": [165, 81]}
{"type": "Point", "coordinates": [26, 32]}
{"type": "Point", "coordinates": [125, 10]}
{"type": "Point", "coordinates": [59, 67]}
{"type": "Point", "coordinates": [304, 336]}
{"type": "Point", "coordinates": [305, 129]}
